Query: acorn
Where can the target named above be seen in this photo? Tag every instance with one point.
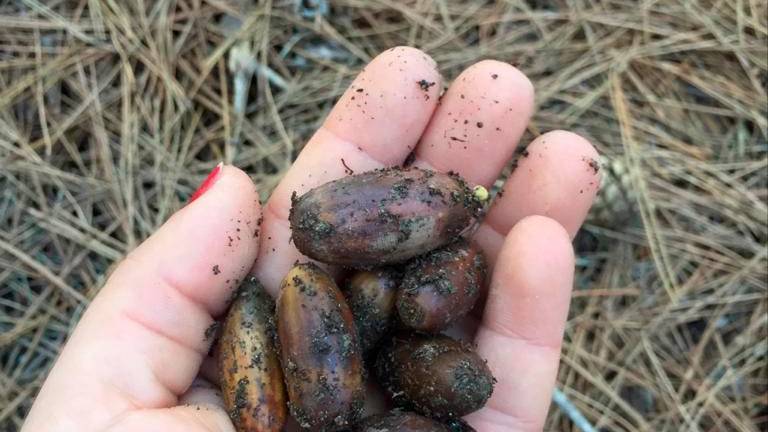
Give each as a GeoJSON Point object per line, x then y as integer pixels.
{"type": "Point", "coordinates": [382, 217]}
{"type": "Point", "coordinates": [371, 297]}
{"type": "Point", "coordinates": [400, 421]}
{"type": "Point", "coordinates": [441, 286]}
{"type": "Point", "coordinates": [251, 377]}
{"type": "Point", "coordinates": [434, 375]}
{"type": "Point", "coordinates": [320, 353]}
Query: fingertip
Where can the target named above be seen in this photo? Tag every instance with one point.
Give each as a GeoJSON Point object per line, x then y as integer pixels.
{"type": "Point", "coordinates": [558, 176]}
{"type": "Point", "coordinates": [411, 52]}
{"type": "Point", "coordinates": [240, 179]}
{"type": "Point", "coordinates": [501, 70]}
{"type": "Point", "coordinates": [478, 123]}
{"type": "Point", "coordinates": [567, 142]}
{"type": "Point", "coordinates": [246, 193]}
{"type": "Point", "coordinates": [570, 137]}
{"type": "Point", "coordinates": [534, 267]}
{"type": "Point", "coordinates": [233, 185]}
{"type": "Point", "coordinates": [505, 79]}
{"type": "Point", "coordinates": [207, 247]}
{"type": "Point", "coordinates": [386, 108]}
{"type": "Point", "coordinates": [234, 188]}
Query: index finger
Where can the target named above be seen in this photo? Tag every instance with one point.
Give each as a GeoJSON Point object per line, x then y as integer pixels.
{"type": "Point", "coordinates": [376, 123]}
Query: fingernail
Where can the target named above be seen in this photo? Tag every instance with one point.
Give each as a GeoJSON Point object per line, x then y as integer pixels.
{"type": "Point", "coordinates": [208, 182]}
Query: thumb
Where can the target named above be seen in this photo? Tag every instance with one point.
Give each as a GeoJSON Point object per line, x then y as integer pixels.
{"type": "Point", "coordinates": [140, 343]}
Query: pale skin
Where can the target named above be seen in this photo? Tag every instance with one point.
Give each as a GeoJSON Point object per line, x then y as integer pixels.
{"type": "Point", "coordinates": [137, 359]}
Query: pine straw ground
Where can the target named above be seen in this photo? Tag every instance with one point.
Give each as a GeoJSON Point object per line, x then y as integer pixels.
{"type": "Point", "coordinates": [111, 112]}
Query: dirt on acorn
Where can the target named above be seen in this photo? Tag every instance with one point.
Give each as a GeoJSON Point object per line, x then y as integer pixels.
{"type": "Point", "coordinates": [402, 230]}
{"type": "Point", "coordinates": [320, 353]}
{"type": "Point", "coordinates": [434, 375]}
{"type": "Point", "coordinates": [400, 421]}
{"type": "Point", "coordinates": [371, 297]}
{"type": "Point", "coordinates": [251, 378]}
{"type": "Point", "coordinates": [382, 217]}
{"type": "Point", "coordinates": [441, 286]}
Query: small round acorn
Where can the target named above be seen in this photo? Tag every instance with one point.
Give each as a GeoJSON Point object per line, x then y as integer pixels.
{"type": "Point", "coordinates": [442, 286]}
{"type": "Point", "coordinates": [434, 375]}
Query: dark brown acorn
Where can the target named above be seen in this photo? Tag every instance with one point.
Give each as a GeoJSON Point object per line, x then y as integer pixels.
{"type": "Point", "coordinates": [434, 375]}
{"type": "Point", "coordinates": [400, 421]}
{"type": "Point", "coordinates": [381, 217]}
{"type": "Point", "coordinates": [320, 353]}
{"type": "Point", "coordinates": [371, 297]}
{"type": "Point", "coordinates": [441, 286]}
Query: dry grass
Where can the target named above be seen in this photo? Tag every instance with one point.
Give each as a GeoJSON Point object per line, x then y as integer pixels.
{"type": "Point", "coordinates": [111, 112]}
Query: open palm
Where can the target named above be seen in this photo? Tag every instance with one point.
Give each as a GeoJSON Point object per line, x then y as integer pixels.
{"type": "Point", "coordinates": [134, 360]}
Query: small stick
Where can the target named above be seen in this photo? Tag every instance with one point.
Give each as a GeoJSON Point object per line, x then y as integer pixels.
{"type": "Point", "coordinates": [571, 411]}
{"type": "Point", "coordinates": [243, 64]}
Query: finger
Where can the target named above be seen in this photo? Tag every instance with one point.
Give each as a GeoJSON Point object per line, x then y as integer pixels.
{"type": "Point", "coordinates": [140, 343]}
{"type": "Point", "coordinates": [202, 392]}
{"type": "Point", "coordinates": [558, 177]}
{"type": "Point", "coordinates": [376, 123]}
{"type": "Point", "coordinates": [523, 325]}
{"type": "Point", "coordinates": [479, 122]}
{"type": "Point", "coordinates": [185, 418]}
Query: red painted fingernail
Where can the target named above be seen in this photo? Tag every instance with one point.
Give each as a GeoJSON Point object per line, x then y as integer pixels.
{"type": "Point", "coordinates": [208, 182]}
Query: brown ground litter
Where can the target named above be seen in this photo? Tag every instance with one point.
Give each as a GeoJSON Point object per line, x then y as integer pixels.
{"type": "Point", "coordinates": [110, 115]}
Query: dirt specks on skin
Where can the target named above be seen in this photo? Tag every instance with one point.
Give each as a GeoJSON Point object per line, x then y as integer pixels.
{"type": "Point", "coordinates": [494, 76]}
{"type": "Point", "coordinates": [424, 85]}
{"type": "Point", "coordinates": [216, 270]}
{"type": "Point", "coordinates": [259, 221]}
{"type": "Point", "coordinates": [347, 169]}
{"type": "Point", "coordinates": [593, 164]}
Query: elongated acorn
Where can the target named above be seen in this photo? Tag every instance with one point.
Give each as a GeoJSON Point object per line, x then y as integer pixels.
{"type": "Point", "coordinates": [251, 377]}
{"type": "Point", "coordinates": [371, 297]}
{"type": "Point", "coordinates": [320, 353]}
{"type": "Point", "coordinates": [383, 216]}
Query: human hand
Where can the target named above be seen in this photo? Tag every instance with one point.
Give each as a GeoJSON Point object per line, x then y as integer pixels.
{"type": "Point", "coordinates": [135, 360]}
